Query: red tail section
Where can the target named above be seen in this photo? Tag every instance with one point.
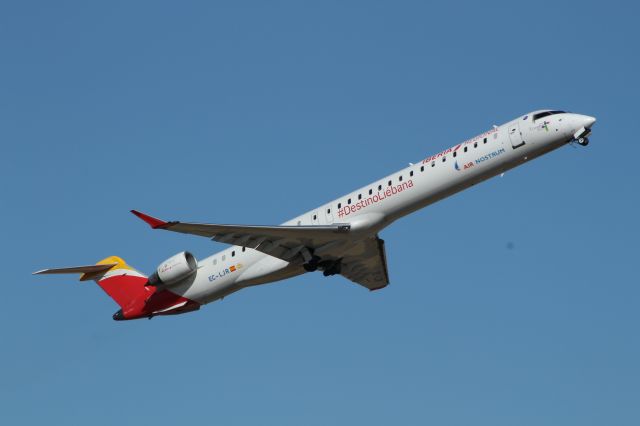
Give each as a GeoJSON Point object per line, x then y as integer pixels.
{"type": "Point", "coordinates": [127, 287]}
{"type": "Point", "coordinates": [122, 283]}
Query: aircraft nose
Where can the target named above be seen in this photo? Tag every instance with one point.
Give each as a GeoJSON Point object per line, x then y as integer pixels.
{"type": "Point", "coordinates": [588, 121]}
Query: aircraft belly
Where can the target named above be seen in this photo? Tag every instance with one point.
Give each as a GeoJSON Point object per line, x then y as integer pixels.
{"type": "Point", "coordinates": [267, 270]}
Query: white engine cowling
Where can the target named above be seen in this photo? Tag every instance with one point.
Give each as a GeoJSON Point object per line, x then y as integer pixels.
{"type": "Point", "coordinates": [174, 269]}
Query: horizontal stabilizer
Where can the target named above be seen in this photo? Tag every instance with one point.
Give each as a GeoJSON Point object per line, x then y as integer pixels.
{"type": "Point", "coordinates": [121, 282]}
{"type": "Point", "coordinates": [87, 269]}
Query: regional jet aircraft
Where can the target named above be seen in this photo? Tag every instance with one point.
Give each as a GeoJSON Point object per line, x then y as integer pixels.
{"type": "Point", "coordinates": [338, 237]}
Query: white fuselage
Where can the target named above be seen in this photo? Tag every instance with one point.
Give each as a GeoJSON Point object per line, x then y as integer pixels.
{"type": "Point", "coordinates": [373, 207]}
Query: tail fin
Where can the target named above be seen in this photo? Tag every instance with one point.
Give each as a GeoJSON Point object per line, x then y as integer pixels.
{"type": "Point", "coordinates": [119, 280]}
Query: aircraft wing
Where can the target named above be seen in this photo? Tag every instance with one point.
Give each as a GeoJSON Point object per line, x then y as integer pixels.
{"type": "Point", "coordinates": [362, 260]}
{"type": "Point", "coordinates": [283, 242]}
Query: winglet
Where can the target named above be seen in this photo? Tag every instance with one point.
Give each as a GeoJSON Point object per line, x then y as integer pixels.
{"type": "Point", "coordinates": [152, 221]}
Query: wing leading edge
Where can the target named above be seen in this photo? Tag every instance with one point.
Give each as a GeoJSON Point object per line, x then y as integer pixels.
{"type": "Point", "coordinates": [283, 242]}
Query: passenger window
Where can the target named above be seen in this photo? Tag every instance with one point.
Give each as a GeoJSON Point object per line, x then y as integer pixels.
{"type": "Point", "coordinates": [433, 164]}
{"type": "Point", "coordinates": [485, 140]}
{"type": "Point", "coordinates": [349, 201]}
{"type": "Point", "coordinates": [444, 159]}
{"type": "Point", "coordinates": [339, 205]}
{"type": "Point", "coordinates": [411, 173]}
{"type": "Point", "coordinates": [389, 183]}
{"type": "Point", "coordinates": [400, 179]}
{"type": "Point", "coordinates": [465, 149]}
{"type": "Point", "coordinates": [315, 217]}
{"type": "Point", "coordinates": [224, 257]}
{"type": "Point", "coordinates": [379, 187]}
{"type": "Point", "coordinates": [455, 154]}
{"type": "Point", "coordinates": [370, 191]}
{"type": "Point", "coordinates": [475, 144]}
{"type": "Point", "coordinates": [359, 196]}
{"type": "Point", "coordinates": [243, 249]}
{"type": "Point", "coordinates": [422, 168]}
{"type": "Point", "coordinates": [233, 253]}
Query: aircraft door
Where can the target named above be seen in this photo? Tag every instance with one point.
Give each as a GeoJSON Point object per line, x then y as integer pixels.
{"type": "Point", "coordinates": [515, 135]}
{"type": "Point", "coordinates": [329, 215]}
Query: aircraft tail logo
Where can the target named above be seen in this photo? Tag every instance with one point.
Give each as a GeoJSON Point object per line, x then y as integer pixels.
{"type": "Point", "coordinates": [121, 282]}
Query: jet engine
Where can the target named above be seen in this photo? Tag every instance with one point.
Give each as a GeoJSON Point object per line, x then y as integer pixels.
{"type": "Point", "coordinates": [174, 270]}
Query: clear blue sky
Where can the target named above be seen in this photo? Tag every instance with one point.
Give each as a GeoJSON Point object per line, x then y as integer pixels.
{"type": "Point", "coordinates": [514, 303]}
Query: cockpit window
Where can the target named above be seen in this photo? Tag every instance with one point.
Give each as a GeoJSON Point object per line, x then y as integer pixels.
{"type": "Point", "coordinates": [546, 114]}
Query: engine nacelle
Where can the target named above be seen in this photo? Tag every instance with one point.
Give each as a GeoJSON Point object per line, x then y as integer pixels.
{"type": "Point", "coordinates": [174, 270]}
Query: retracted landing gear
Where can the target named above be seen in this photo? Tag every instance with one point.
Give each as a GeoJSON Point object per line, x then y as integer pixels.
{"type": "Point", "coordinates": [312, 264]}
{"type": "Point", "coordinates": [328, 267]}
{"type": "Point", "coordinates": [332, 268]}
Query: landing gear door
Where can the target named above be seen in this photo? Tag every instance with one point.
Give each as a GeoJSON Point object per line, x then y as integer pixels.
{"type": "Point", "coordinates": [515, 135]}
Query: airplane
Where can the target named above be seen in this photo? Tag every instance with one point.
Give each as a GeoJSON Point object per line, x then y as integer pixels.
{"type": "Point", "coordinates": [339, 237]}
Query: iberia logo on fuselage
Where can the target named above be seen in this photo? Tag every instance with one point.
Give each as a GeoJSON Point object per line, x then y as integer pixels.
{"type": "Point", "coordinates": [475, 139]}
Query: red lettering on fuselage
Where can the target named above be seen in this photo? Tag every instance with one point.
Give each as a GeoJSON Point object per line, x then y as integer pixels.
{"type": "Point", "coordinates": [445, 152]}
{"type": "Point", "coordinates": [366, 202]}
{"type": "Point", "coordinates": [455, 148]}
